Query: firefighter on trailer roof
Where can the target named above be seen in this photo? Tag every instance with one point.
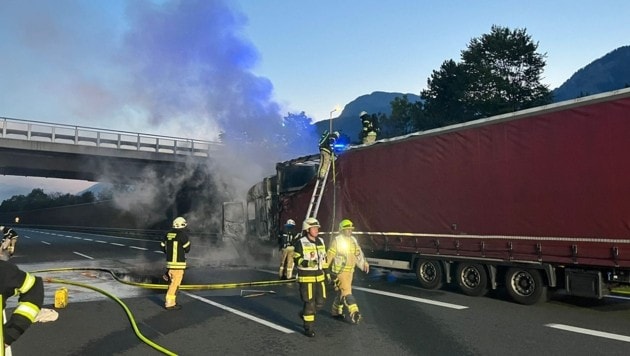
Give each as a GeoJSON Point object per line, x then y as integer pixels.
{"type": "Point", "coordinates": [285, 243]}
{"type": "Point", "coordinates": [344, 254]}
{"type": "Point", "coordinates": [176, 245]}
{"type": "Point", "coordinates": [370, 127]}
{"type": "Point", "coordinates": [326, 144]}
{"type": "Point", "coordinates": [310, 258]}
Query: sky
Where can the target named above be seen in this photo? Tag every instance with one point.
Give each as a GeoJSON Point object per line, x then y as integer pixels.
{"type": "Point", "coordinates": [195, 68]}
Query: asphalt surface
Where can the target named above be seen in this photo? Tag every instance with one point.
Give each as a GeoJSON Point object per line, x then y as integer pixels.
{"type": "Point", "coordinates": [399, 317]}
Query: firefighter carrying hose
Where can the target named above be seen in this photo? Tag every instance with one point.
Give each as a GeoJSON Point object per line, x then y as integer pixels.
{"type": "Point", "coordinates": [285, 243]}
{"type": "Point", "coordinates": [344, 254]}
{"type": "Point", "coordinates": [176, 245]}
{"type": "Point", "coordinates": [9, 239]}
{"type": "Point", "coordinates": [310, 258]}
{"type": "Point", "coordinates": [30, 290]}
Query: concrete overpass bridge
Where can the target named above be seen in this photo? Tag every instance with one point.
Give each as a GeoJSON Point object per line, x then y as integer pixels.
{"type": "Point", "coordinates": [40, 149]}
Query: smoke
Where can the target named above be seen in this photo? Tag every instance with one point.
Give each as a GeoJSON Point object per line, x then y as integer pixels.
{"type": "Point", "coordinates": [176, 68]}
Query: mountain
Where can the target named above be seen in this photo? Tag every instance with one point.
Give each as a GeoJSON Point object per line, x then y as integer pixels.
{"type": "Point", "coordinates": [348, 121]}
{"type": "Point", "coordinates": [610, 72]}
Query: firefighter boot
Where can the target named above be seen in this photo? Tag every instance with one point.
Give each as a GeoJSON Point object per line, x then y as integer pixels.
{"type": "Point", "coordinates": [355, 317]}
{"type": "Point", "coordinates": [308, 331]}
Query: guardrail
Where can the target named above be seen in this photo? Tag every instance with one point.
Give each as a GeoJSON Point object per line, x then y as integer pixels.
{"type": "Point", "coordinates": [90, 136]}
{"type": "Point", "coordinates": [155, 235]}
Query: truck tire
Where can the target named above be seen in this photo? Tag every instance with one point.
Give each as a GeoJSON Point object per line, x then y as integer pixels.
{"type": "Point", "coordinates": [525, 286]}
{"type": "Point", "coordinates": [472, 279]}
{"type": "Point", "coordinates": [430, 274]}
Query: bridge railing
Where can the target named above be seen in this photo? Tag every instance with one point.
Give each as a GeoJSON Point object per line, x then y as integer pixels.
{"type": "Point", "coordinates": [89, 136]}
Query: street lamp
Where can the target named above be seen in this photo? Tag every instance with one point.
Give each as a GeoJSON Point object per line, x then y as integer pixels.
{"type": "Point", "coordinates": [330, 121]}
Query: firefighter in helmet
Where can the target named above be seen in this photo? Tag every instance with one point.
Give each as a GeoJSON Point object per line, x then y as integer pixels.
{"type": "Point", "coordinates": [369, 127]}
{"type": "Point", "coordinates": [326, 144]}
{"type": "Point", "coordinates": [30, 292]}
{"type": "Point", "coordinates": [175, 245]}
{"type": "Point", "coordinates": [9, 239]}
{"type": "Point", "coordinates": [310, 258]}
{"type": "Point", "coordinates": [344, 254]}
{"type": "Point", "coordinates": [285, 243]}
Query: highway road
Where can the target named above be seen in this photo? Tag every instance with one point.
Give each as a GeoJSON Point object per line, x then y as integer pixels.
{"type": "Point", "coordinates": [399, 317]}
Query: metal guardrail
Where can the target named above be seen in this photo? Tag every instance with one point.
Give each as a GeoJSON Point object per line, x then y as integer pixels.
{"type": "Point", "coordinates": [144, 234]}
{"type": "Point", "coordinates": [89, 136]}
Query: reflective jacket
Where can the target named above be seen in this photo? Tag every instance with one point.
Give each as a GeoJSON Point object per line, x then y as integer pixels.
{"type": "Point", "coordinates": [326, 142]}
{"type": "Point", "coordinates": [176, 245]}
{"type": "Point", "coordinates": [9, 233]}
{"type": "Point", "coordinates": [30, 289]}
{"type": "Point", "coordinates": [344, 254]}
{"type": "Point", "coordinates": [312, 253]}
{"type": "Point", "coordinates": [287, 238]}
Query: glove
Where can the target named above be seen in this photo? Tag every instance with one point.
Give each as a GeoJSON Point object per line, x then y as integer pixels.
{"type": "Point", "coordinates": [311, 264]}
{"type": "Point", "coordinates": [366, 267]}
{"type": "Point", "coordinates": [328, 278]}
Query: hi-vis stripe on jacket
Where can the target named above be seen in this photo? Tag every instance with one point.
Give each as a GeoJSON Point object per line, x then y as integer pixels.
{"type": "Point", "coordinates": [176, 245]}
{"type": "Point", "coordinates": [344, 254]}
{"type": "Point", "coordinates": [30, 290]}
{"type": "Point", "coordinates": [310, 258]}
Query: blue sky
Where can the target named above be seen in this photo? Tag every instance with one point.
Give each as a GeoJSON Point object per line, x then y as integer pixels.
{"type": "Point", "coordinates": [322, 53]}
{"type": "Point", "coordinates": [198, 67]}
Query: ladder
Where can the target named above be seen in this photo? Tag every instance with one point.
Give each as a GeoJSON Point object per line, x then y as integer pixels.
{"type": "Point", "coordinates": [318, 192]}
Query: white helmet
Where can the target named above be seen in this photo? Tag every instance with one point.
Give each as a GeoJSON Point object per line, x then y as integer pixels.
{"type": "Point", "coordinates": [363, 113]}
{"type": "Point", "coordinates": [290, 222]}
{"type": "Point", "coordinates": [1, 227]}
{"type": "Point", "coordinates": [309, 223]}
{"type": "Point", "coordinates": [179, 223]}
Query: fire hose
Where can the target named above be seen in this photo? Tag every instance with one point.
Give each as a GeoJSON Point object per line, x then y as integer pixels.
{"type": "Point", "coordinates": [147, 286]}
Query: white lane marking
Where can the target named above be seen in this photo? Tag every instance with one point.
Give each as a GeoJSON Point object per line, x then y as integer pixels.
{"type": "Point", "coordinates": [156, 251]}
{"type": "Point", "coordinates": [138, 248]}
{"type": "Point", "coordinates": [590, 332]}
{"type": "Point", "coordinates": [399, 296]}
{"type": "Point", "coordinates": [82, 255]}
{"type": "Point", "coordinates": [413, 299]}
{"type": "Point", "coordinates": [45, 242]}
{"type": "Point", "coordinates": [617, 297]}
{"type": "Point", "coordinates": [116, 244]}
{"type": "Point", "coordinates": [240, 313]}
{"type": "Point", "coordinates": [86, 239]}
{"type": "Point", "coordinates": [100, 241]}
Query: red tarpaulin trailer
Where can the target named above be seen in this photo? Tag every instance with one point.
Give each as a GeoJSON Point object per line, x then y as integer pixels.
{"type": "Point", "coordinates": [531, 199]}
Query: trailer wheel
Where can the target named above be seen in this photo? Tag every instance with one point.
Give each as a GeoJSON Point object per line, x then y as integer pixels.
{"type": "Point", "coordinates": [525, 286]}
{"type": "Point", "coordinates": [430, 274]}
{"type": "Point", "coordinates": [472, 279]}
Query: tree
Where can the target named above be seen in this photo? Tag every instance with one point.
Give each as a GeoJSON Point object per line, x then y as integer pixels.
{"type": "Point", "coordinates": [500, 72]}
{"type": "Point", "coordinates": [406, 117]}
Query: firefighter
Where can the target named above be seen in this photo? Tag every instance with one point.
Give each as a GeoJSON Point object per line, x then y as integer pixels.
{"type": "Point", "coordinates": [285, 243]}
{"type": "Point", "coordinates": [310, 258]}
{"type": "Point", "coordinates": [9, 239]}
{"type": "Point", "coordinates": [370, 127]}
{"type": "Point", "coordinates": [176, 245]}
{"type": "Point", "coordinates": [326, 144]}
{"type": "Point", "coordinates": [30, 290]}
{"type": "Point", "coordinates": [344, 254]}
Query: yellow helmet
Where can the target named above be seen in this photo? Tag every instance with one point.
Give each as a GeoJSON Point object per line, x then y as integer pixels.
{"type": "Point", "coordinates": [309, 223]}
{"type": "Point", "coordinates": [179, 223]}
{"type": "Point", "coordinates": [346, 224]}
